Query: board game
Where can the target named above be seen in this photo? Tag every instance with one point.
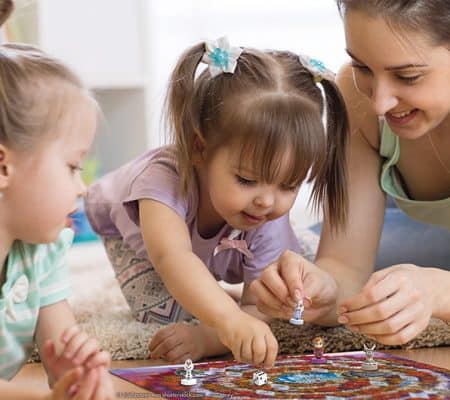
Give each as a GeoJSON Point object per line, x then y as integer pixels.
{"type": "Point", "coordinates": [297, 377]}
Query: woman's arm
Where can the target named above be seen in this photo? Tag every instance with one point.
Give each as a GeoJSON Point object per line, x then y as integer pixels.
{"type": "Point", "coordinates": [346, 257]}
{"type": "Point", "coordinates": [349, 255]}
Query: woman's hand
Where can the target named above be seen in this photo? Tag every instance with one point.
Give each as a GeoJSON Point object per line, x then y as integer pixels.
{"type": "Point", "coordinates": [290, 279]}
{"type": "Point", "coordinates": [393, 307]}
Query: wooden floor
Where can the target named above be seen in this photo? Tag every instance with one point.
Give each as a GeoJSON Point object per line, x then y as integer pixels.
{"type": "Point", "coordinates": [33, 375]}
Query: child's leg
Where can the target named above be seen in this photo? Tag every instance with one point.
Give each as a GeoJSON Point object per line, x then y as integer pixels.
{"type": "Point", "coordinates": [141, 285]}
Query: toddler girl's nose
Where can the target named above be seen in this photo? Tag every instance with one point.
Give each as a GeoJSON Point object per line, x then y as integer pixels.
{"type": "Point", "coordinates": [265, 199]}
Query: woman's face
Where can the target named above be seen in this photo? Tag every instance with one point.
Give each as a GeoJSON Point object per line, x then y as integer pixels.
{"type": "Point", "coordinates": [401, 72]}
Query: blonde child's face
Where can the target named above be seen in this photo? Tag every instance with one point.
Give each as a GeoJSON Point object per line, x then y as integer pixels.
{"type": "Point", "coordinates": [406, 78]}
{"type": "Point", "coordinates": [236, 196]}
{"type": "Point", "coordinates": [47, 182]}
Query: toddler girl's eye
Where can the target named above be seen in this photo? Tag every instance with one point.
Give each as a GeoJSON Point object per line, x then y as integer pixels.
{"type": "Point", "coordinates": [244, 181]}
{"type": "Point", "coordinates": [290, 188]}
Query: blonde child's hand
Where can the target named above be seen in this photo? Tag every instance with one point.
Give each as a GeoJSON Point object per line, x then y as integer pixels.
{"type": "Point", "coordinates": [78, 350]}
{"type": "Point", "coordinates": [95, 384]}
{"type": "Point", "coordinates": [393, 307]}
{"type": "Point", "coordinates": [249, 339]}
{"type": "Point", "coordinates": [292, 278]}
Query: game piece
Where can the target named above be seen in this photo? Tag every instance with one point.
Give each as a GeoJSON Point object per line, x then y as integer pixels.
{"type": "Point", "coordinates": [259, 378]}
{"type": "Point", "coordinates": [298, 313]}
{"type": "Point", "coordinates": [188, 380]}
{"type": "Point", "coordinates": [370, 364]}
{"type": "Point", "coordinates": [318, 344]}
{"type": "Point", "coordinates": [296, 377]}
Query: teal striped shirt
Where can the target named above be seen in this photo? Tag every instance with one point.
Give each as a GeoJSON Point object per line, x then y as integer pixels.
{"type": "Point", "coordinates": [36, 276]}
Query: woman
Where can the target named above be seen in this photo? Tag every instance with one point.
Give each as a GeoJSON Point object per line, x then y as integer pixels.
{"type": "Point", "coordinates": [398, 98]}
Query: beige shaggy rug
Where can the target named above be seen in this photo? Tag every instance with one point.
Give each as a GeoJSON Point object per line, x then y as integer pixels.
{"type": "Point", "coordinates": [103, 312]}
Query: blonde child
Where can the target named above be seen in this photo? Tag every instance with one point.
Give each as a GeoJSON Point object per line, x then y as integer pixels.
{"type": "Point", "coordinates": [47, 124]}
{"type": "Point", "coordinates": [214, 205]}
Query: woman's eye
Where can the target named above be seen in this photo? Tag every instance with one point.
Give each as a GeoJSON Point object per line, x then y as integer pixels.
{"type": "Point", "coordinates": [409, 79]}
{"type": "Point", "coordinates": [361, 68]}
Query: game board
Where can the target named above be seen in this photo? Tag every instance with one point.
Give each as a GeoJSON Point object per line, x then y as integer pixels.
{"type": "Point", "coordinates": [296, 377]}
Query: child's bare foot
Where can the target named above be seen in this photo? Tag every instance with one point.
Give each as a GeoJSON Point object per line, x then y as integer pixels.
{"type": "Point", "coordinates": [178, 342]}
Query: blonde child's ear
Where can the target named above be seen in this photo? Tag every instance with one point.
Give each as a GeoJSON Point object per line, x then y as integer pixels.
{"type": "Point", "coordinates": [5, 167]}
{"type": "Point", "coordinates": [199, 155]}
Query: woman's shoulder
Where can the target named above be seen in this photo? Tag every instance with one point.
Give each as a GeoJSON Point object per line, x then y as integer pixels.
{"type": "Point", "coordinates": [362, 118]}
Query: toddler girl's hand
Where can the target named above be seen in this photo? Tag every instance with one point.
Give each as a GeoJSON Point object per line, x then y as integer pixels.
{"type": "Point", "coordinates": [249, 339]}
{"type": "Point", "coordinates": [78, 350]}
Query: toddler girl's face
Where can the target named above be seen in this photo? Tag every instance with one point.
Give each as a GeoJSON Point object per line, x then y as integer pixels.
{"type": "Point", "coordinates": [47, 181]}
{"type": "Point", "coordinates": [235, 194]}
{"type": "Point", "coordinates": [405, 76]}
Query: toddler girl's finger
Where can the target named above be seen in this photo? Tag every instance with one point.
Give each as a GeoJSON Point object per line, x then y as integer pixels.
{"type": "Point", "coordinates": [165, 346]}
{"type": "Point", "coordinates": [272, 350]}
{"type": "Point", "coordinates": [247, 350]}
{"type": "Point", "coordinates": [159, 338]}
{"type": "Point", "coordinates": [259, 349]}
{"type": "Point", "coordinates": [176, 353]}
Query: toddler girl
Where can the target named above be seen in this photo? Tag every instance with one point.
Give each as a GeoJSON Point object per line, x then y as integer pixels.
{"type": "Point", "coordinates": [214, 205]}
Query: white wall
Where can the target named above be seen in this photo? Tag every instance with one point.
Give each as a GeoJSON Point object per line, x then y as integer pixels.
{"type": "Point", "coordinates": [125, 51]}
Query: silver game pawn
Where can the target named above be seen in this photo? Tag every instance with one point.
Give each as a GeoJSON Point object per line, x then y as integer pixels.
{"type": "Point", "coordinates": [298, 314]}
{"type": "Point", "coordinates": [370, 364]}
{"type": "Point", "coordinates": [188, 380]}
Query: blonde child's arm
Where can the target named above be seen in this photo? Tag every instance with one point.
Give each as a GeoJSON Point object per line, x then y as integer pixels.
{"type": "Point", "coordinates": [63, 345]}
{"type": "Point", "coordinates": [187, 278]}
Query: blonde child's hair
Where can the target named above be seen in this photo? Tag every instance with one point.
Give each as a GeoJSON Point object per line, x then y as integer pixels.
{"type": "Point", "coordinates": [35, 90]}
{"type": "Point", "coordinates": [268, 108]}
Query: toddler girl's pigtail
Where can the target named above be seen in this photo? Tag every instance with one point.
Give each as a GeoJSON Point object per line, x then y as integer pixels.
{"type": "Point", "coordinates": [6, 8]}
{"type": "Point", "coordinates": [183, 110]}
{"type": "Point", "coordinates": [334, 171]}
